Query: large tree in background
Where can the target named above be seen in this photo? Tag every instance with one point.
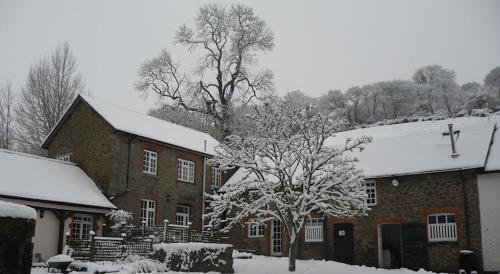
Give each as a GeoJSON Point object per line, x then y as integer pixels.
{"type": "Point", "coordinates": [51, 86]}
{"type": "Point", "coordinates": [289, 172]}
{"type": "Point", "coordinates": [228, 40]}
{"type": "Point", "coordinates": [492, 80]}
{"type": "Point", "coordinates": [7, 101]}
{"type": "Point", "coordinates": [437, 83]}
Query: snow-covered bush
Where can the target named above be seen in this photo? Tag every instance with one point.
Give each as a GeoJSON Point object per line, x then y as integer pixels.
{"type": "Point", "coordinates": [119, 217]}
{"type": "Point", "coordinates": [195, 257]}
{"type": "Point", "coordinates": [130, 265]}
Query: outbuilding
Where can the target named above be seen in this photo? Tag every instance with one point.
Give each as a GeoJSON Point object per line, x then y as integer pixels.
{"type": "Point", "coordinates": [65, 198]}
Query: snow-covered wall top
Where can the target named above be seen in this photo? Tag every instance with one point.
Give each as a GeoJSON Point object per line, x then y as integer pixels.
{"type": "Point", "coordinates": [153, 128]}
{"type": "Point", "coordinates": [16, 211]}
{"type": "Point", "coordinates": [35, 177]}
{"type": "Point", "coordinates": [493, 162]}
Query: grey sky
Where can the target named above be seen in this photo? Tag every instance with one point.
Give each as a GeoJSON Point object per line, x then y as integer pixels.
{"type": "Point", "coordinates": [320, 45]}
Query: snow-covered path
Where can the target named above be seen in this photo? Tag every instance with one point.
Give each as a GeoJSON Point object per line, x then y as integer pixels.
{"type": "Point", "coordinates": [273, 265]}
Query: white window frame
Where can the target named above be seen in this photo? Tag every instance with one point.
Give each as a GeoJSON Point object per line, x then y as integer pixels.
{"type": "Point", "coordinates": [442, 231]}
{"type": "Point", "coordinates": [82, 225]}
{"type": "Point", "coordinates": [150, 163]}
{"type": "Point", "coordinates": [371, 191]}
{"type": "Point", "coordinates": [314, 230]}
{"type": "Point", "coordinates": [255, 229]}
{"type": "Point", "coordinates": [182, 218]}
{"type": "Point", "coordinates": [216, 177]}
{"type": "Point", "coordinates": [185, 170]}
{"type": "Point", "coordinates": [64, 158]}
{"type": "Point", "coordinates": [148, 212]}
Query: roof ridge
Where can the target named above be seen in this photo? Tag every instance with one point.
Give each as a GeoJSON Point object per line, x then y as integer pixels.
{"type": "Point", "coordinates": [416, 133]}
{"type": "Point", "coordinates": [8, 151]}
{"type": "Point", "coordinates": [85, 97]}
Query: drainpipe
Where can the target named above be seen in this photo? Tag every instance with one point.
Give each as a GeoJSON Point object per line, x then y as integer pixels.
{"type": "Point", "coordinates": [203, 194]}
{"type": "Point", "coordinates": [128, 163]}
{"type": "Point", "coordinates": [466, 209]}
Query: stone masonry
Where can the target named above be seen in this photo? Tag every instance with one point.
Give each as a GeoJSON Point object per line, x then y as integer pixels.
{"type": "Point", "coordinates": [114, 160]}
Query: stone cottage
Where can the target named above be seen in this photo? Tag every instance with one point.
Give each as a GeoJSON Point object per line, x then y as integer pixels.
{"type": "Point", "coordinates": [153, 168]}
{"type": "Point", "coordinates": [429, 196]}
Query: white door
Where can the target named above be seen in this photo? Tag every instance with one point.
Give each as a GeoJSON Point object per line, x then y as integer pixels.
{"type": "Point", "coordinates": [276, 239]}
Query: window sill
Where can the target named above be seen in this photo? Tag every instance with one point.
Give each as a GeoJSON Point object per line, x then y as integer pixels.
{"type": "Point", "coordinates": [255, 237]}
{"type": "Point", "coordinates": [149, 173]}
{"type": "Point", "coordinates": [313, 241]}
{"type": "Point", "coordinates": [438, 243]}
{"type": "Point", "coordinates": [187, 182]}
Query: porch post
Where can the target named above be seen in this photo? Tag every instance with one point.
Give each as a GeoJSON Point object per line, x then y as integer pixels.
{"type": "Point", "coordinates": [61, 216]}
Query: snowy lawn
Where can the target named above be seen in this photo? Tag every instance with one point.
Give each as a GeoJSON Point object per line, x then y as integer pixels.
{"type": "Point", "coordinates": [273, 265]}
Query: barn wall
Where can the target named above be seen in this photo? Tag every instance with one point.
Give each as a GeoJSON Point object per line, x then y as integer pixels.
{"type": "Point", "coordinates": [489, 205]}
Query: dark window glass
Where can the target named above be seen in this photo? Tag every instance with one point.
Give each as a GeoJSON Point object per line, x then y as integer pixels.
{"type": "Point", "coordinates": [432, 219]}
{"type": "Point", "coordinates": [441, 219]}
{"type": "Point", "coordinates": [451, 218]}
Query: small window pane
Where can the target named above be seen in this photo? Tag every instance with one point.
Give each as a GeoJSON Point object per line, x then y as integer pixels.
{"type": "Point", "coordinates": [441, 219]}
{"type": "Point", "coordinates": [451, 218]}
{"type": "Point", "coordinates": [432, 219]}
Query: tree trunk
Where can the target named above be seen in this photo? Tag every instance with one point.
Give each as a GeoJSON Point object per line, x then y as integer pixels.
{"type": "Point", "coordinates": [292, 256]}
{"type": "Point", "coordinates": [226, 121]}
{"type": "Point", "coordinates": [447, 104]}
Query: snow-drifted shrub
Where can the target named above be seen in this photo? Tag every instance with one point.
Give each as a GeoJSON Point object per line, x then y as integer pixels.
{"type": "Point", "coordinates": [130, 265]}
{"type": "Point", "coordinates": [119, 217]}
{"type": "Point", "coordinates": [195, 257]}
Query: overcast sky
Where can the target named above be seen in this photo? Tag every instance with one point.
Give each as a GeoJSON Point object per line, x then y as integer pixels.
{"type": "Point", "coordinates": [320, 45]}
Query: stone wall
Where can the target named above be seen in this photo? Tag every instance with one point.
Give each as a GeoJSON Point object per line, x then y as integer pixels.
{"type": "Point", "coordinates": [16, 246]}
{"type": "Point", "coordinates": [103, 153]}
{"type": "Point", "coordinates": [416, 197]}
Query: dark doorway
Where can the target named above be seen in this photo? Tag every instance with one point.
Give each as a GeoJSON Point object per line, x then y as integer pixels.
{"type": "Point", "coordinates": [343, 243]}
{"type": "Point", "coordinates": [414, 246]}
{"type": "Point", "coordinates": [391, 245]}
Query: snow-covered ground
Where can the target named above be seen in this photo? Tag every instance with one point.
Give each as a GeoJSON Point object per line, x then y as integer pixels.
{"type": "Point", "coordinates": [273, 265]}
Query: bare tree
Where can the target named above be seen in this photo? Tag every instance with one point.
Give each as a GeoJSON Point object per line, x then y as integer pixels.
{"type": "Point", "coordinates": [228, 38]}
{"type": "Point", "coordinates": [7, 101]}
{"type": "Point", "coordinates": [51, 86]}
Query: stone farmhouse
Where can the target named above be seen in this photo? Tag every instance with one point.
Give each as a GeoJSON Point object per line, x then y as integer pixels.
{"type": "Point", "coordinates": [430, 197]}
{"type": "Point", "coordinates": [152, 168]}
{"type": "Point", "coordinates": [427, 202]}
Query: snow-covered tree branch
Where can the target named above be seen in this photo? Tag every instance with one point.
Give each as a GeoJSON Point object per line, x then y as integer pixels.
{"type": "Point", "coordinates": [287, 172]}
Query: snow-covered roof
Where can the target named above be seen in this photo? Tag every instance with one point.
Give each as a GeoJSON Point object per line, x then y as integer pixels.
{"type": "Point", "coordinates": [129, 121]}
{"type": "Point", "coordinates": [27, 176]}
{"type": "Point", "coordinates": [13, 210]}
{"type": "Point", "coordinates": [419, 147]}
{"type": "Point", "coordinates": [493, 162]}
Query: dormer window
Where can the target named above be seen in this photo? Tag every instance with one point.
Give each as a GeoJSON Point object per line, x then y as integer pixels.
{"type": "Point", "coordinates": [64, 158]}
